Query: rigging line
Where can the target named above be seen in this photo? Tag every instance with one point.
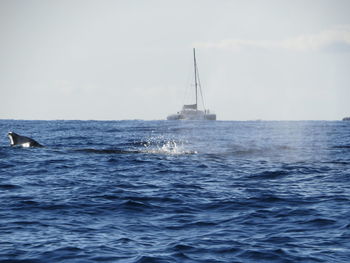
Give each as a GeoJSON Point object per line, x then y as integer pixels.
{"type": "Point", "coordinates": [195, 75]}
{"type": "Point", "coordinates": [188, 85]}
{"type": "Point", "coordinates": [200, 88]}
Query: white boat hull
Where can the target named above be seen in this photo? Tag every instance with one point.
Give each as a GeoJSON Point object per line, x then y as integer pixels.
{"type": "Point", "coordinates": [192, 115]}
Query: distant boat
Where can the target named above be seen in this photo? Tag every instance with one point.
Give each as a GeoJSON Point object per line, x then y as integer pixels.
{"type": "Point", "coordinates": [346, 119]}
{"type": "Point", "coordinates": [191, 111]}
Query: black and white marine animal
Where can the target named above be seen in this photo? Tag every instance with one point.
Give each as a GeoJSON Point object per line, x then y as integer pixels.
{"type": "Point", "coordinates": [16, 139]}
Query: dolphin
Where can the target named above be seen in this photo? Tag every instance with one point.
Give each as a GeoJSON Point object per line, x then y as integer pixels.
{"type": "Point", "coordinates": [16, 139]}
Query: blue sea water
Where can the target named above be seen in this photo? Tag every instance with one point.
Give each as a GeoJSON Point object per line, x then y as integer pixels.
{"type": "Point", "coordinates": [175, 191]}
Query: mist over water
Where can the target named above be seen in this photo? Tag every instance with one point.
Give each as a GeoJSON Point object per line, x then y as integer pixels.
{"type": "Point", "coordinates": [168, 191]}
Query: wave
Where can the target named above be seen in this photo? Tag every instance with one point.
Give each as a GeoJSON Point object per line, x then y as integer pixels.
{"type": "Point", "coordinates": [341, 147]}
{"type": "Point", "coordinates": [106, 151]}
{"type": "Point", "coordinates": [170, 148]}
{"type": "Point", "coordinates": [9, 186]}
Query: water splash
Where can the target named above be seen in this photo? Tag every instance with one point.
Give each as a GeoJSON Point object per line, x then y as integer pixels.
{"type": "Point", "coordinates": [159, 145]}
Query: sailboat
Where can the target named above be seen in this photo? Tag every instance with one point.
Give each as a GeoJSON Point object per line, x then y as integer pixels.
{"type": "Point", "coordinates": [191, 111]}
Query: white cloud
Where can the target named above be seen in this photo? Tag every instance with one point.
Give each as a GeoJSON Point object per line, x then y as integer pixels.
{"type": "Point", "coordinates": [335, 39]}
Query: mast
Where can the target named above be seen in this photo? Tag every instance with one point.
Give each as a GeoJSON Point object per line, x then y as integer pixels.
{"type": "Point", "coordinates": [195, 75]}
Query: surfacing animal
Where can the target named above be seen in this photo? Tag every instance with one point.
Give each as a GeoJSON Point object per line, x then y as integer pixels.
{"type": "Point", "coordinates": [18, 140]}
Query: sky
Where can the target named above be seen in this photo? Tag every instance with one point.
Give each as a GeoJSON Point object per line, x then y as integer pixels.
{"type": "Point", "coordinates": [117, 60]}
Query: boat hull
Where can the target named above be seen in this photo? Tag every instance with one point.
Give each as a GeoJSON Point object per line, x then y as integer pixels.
{"type": "Point", "coordinates": [210, 117]}
{"type": "Point", "coordinates": [192, 115]}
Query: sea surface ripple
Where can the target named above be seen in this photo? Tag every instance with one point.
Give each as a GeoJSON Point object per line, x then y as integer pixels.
{"type": "Point", "coordinates": [176, 191]}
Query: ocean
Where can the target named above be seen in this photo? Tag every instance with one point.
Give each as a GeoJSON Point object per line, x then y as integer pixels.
{"type": "Point", "coordinates": [176, 191]}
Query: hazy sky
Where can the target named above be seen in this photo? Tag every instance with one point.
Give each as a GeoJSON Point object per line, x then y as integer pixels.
{"type": "Point", "coordinates": [112, 60]}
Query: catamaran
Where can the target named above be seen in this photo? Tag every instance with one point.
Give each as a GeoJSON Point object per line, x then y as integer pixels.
{"type": "Point", "coordinates": [191, 111]}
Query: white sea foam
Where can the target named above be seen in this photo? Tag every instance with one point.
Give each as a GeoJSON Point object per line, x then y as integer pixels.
{"type": "Point", "coordinates": [161, 146]}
